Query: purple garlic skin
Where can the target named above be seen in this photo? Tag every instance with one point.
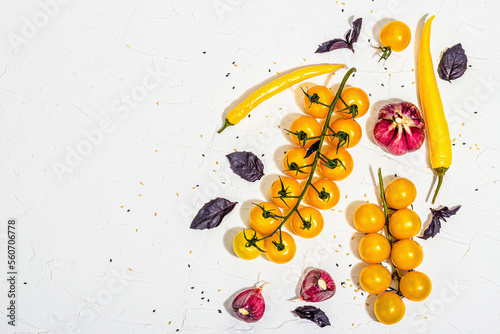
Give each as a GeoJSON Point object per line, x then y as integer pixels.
{"type": "Point", "coordinates": [317, 286]}
{"type": "Point", "coordinates": [249, 305]}
{"type": "Point", "coordinates": [400, 128]}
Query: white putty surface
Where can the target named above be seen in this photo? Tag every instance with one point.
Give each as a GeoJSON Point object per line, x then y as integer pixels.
{"type": "Point", "coordinates": [104, 187]}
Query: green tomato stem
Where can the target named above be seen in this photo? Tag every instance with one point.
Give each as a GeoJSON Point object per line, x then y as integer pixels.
{"type": "Point", "coordinates": [395, 274]}
{"type": "Point", "coordinates": [316, 155]}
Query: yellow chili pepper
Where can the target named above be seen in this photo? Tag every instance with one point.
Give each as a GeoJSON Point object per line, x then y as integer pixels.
{"type": "Point", "coordinates": [274, 87]}
{"type": "Point", "coordinates": [435, 119]}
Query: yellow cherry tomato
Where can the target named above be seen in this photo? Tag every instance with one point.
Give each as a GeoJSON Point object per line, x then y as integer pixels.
{"type": "Point", "coordinates": [375, 278]}
{"type": "Point", "coordinates": [243, 248]}
{"type": "Point", "coordinates": [389, 308]}
{"type": "Point", "coordinates": [400, 193]}
{"type": "Point", "coordinates": [264, 218]}
{"type": "Point", "coordinates": [323, 194]}
{"type": "Point", "coordinates": [296, 164]}
{"type": "Point", "coordinates": [404, 224]}
{"type": "Point", "coordinates": [396, 35]}
{"type": "Point", "coordinates": [374, 248]}
{"type": "Point", "coordinates": [307, 222]}
{"type": "Point", "coordinates": [354, 102]}
{"type": "Point", "coordinates": [318, 94]}
{"type": "Point", "coordinates": [303, 128]}
{"type": "Point", "coordinates": [415, 286]}
{"type": "Point", "coordinates": [284, 192]}
{"type": "Point", "coordinates": [280, 252]}
{"type": "Point", "coordinates": [369, 218]}
{"type": "Point", "coordinates": [338, 165]}
{"type": "Point", "coordinates": [407, 254]}
{"type": "Point", "coordinates": [347, 133]}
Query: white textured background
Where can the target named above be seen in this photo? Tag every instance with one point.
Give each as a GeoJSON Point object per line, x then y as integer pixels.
{"type": "Point", "coordinates": [108, 111]}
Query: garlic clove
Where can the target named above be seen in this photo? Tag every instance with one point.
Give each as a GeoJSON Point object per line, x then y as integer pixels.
{"type": "Point", "coordinates": [317, 286]}
{"type": "Point", "coordinates": [249, 305]}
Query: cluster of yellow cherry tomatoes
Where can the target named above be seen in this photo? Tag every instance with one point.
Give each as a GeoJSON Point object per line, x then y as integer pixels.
{"type": "Point", "coordinates": [335, 164]}
{"type": "Point", "coordinates": [405, 253]}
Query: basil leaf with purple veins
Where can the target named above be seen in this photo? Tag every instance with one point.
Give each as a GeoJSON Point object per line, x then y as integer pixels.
{"type": "Point", "coordinates": [212, 213]}
{"type": "Point", "coordinates": [247, 165]}
{"type": "Point", "coordinates": [437, 216]}
{"type": "Point", "coordinates": [312, 313]}
{"type": "Point", "coordinates": [453, 63]}
{"type": "Point", "coordinates": [350, 38]}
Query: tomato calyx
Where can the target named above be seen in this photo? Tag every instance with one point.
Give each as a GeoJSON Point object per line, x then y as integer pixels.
{"type": "Point", "coordinates": [341, 136]}
{"type": "Point", "coordinates": [301, 136]}
{"type": "Point", "coordinates": [386, 52]}
{"type": "Point", "coordinates": [323, 194]}
{"type": "Point", "coordinates": [331, 163]}
{"type": "Point", "coordinates": [267, 213]}
{"type": "Point", "coordinates": [252, 242]}
{"type": "Point", "coordinates": [349, 109]}
{"type": "Point", "coordinates": [306, 224]}
{"type": "Point", "coordinates": [284, 193]}
{"type": "Point", "coordinates": [314, 99]}
{"type": "Point", "coordinates": [294, 167]}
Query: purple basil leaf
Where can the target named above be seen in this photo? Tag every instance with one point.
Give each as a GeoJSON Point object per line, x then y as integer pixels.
{"type": "Point", "coordinates": [247, 165]}
{"type": "Point", "coordinates": [453, 63]}
{"type": "Point", "coordinates": [212, 213]}
{"type": "Point", "coordinates": [313, 148]}
{"type": "Point", "coordinates": [312, 313]}
{"type": "Point", "coordinates": [437, 216]}
{"type": "Point", "coordinates": [334, 44]}
{"type": "Point", "coordinates": [353, 35]}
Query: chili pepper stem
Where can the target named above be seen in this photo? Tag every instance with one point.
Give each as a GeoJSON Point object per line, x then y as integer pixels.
{"type": "Point", "coordinates": [226, 124]}
{"type": "Point", "coordinates": [440, 173]}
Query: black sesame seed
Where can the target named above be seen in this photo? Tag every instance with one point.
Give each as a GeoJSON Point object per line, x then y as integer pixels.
{"type": "Point", "coordinates": [476, 189]}
{"type": "Point", "coordinates": [154, 311]}
{"type": "Point", "coordinates": [202, 292]}
{"type": "Point", "coordinates": [202, 298]}
{"type": "Point", "coordinates": [337, 264]}
{"type": "Point", "coordinates": [192, 287]}
{"type": "Point", "coordinates": [128, 210]}
{"type": "Point", "coordinates": [202, 155]}
{"type": "Point", "coordinates": [219, 311]}
{"type": "Point", "coordinates": [110, 260]}
{"type": "Point", "coordinates": [204, 52]}
{"type": "Point", "coordinates": [189, 266]}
